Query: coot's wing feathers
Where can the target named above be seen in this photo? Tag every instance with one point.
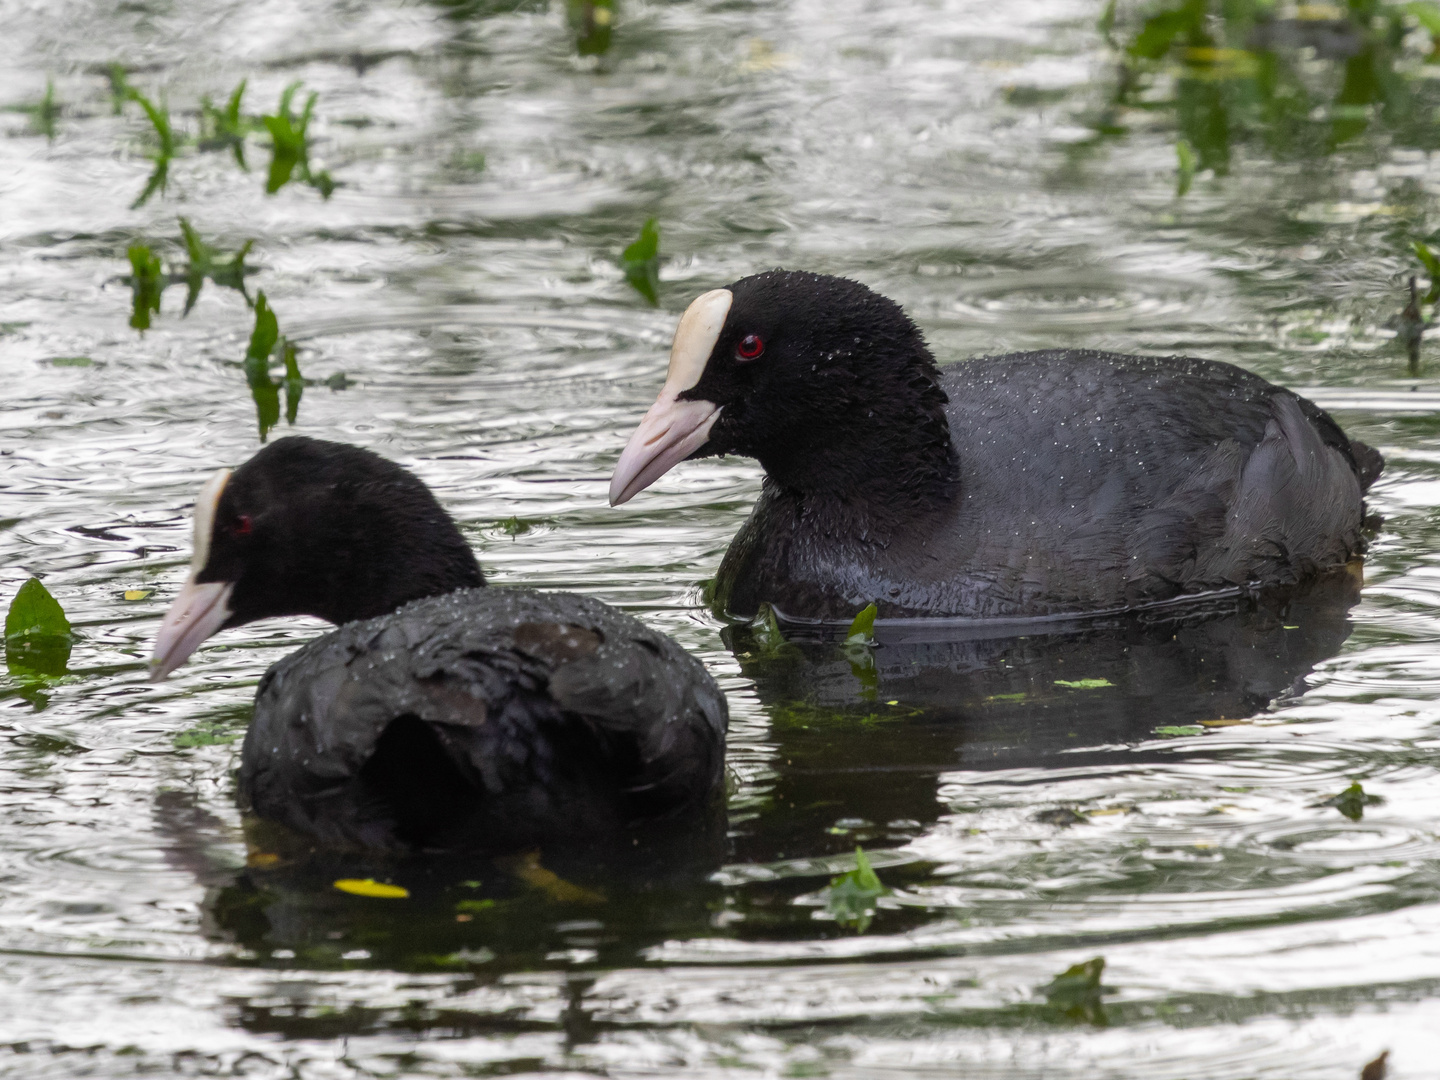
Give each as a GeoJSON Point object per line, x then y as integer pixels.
{"type": "Point", "coordinates": [1181, 474]}
{"type": "Point", "coordinates": [544, 703]}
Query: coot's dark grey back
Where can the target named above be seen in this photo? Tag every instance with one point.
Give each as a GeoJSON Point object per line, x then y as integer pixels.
{"type": "Point", "coordinates": [1087, 480]}
{"type": "Point", "coordinates": [560, 717]}
{"type": "Point", "coordinates": [1108, 478]}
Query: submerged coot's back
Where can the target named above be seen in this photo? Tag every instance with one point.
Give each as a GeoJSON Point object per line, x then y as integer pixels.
{"type": "Point", "coordinates": [486, 719]}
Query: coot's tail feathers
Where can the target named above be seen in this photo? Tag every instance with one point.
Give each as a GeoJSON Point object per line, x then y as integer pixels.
{"type": "Point", "coordinates": [1369, 463]}
{"type": "Point", "coordinates": [489, 719]}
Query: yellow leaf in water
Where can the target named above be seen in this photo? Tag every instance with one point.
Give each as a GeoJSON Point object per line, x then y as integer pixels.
{"type": "Point", "coordinates": [137, 594]}
{"type": "Point", "coordinates": [371, 887]}
{"type": "Point", "coordinates": [261, 859]}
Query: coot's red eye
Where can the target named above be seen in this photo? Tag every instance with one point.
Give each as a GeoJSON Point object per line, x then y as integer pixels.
{"type": "Point", "coordinates": [749, 347]}
{"type": "Point", "coordinates": [242, 525]}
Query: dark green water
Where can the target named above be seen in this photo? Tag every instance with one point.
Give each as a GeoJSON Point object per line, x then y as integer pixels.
{"type": "Point", "coordinates": [1152, 796]}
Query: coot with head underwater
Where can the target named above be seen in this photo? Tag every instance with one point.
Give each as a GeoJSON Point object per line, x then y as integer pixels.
{"type": "Point", "coordinates": [441, 715]}
{"type": "Point", "coordinates": [1031, 484]}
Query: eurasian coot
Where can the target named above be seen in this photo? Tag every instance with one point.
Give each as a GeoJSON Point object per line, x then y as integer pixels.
{"type": "Point", "coordinates": [1030, 484]}
{"type": "Point", "coordinates": [441, 714]}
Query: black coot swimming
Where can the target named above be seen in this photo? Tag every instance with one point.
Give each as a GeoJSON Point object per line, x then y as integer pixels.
{"type": "Point", "coordinates": [1030, 484]}
{"type": "Point", "coordinates": [441, 715]}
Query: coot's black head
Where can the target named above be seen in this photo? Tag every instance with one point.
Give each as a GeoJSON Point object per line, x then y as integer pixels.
{"type": "Point", "coordinates": [311, 528]}
{"type": "Point", "coordinates": [827, 383]}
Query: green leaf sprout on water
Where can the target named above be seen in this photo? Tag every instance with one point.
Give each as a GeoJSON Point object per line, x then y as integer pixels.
{"type": "Point", "coordinates": [1185, 170]}
{"type": "Point", "coordinates": [851, 897]}
{"type": "Point", "coordinates": [591, 21]}
{"type": "Point", "coordinates": [203, 264]}
{"type": "Point", "coordinates": [1176, 731]}
{"type": "Point", "coordinates": [225, 128]}
{"type": "Point", "coordinates": [290, 145]}
{"type": "Point", "coordinates": [862, 627]}
{"type": "Point", "coordinates": [294, 383]}
{"type": "Point", "coordinates": [513, 527]}
{"type": "Point", "coordinates": [159, 117]}
{"type": "Point", "coordinates": [147, 281]}
{"type": "Point", "coordinates": [257, 366]}
{"type": "Point", "coordinates": [641, 262]}
{"type": "Point", "coordinates": [1352, 801]}
{"type": "Point", "coordinates": [1075, 992]}
{"type": "Point", "coordinates": [37, 633]}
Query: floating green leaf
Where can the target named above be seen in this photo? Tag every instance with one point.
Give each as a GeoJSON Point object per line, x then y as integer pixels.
{"type": "Point", "coordinates": [513, 526]}
{"type": "Point", "coordinates": [641, 262]}
{"type": "Point", "coordinates": [37, 633]}
{"type": "Point", "coordinates": [851, 897]}
{"type": "Point", "coordinates": [147, 282]}
{"type": "Point", "coordinates": [1084, 684]}
{"type": "Point", "coordinates": [862, 627]}
{"type": "Point", "coordinates": [70, 361]}
{"type": "Point", "coordinates": [1075, 992]}
{"type": "Point", "coordinates": [371, 887]}
{"type": "Point", "coordinates": [1352, 801]}
{"type": "Point", "coordinates": [1175, 731]}
{"type": "Point", "coordinates": [216, 733]}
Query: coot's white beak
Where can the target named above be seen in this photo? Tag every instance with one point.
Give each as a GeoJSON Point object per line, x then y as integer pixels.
{"type": "Point", "coordinates": [200, 609]}
{"type": "Point", "coordinates": [674, 429]}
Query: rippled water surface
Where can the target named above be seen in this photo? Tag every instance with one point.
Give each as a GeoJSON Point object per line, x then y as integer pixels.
{"type": "Point", "coordinates": [1150, 795]}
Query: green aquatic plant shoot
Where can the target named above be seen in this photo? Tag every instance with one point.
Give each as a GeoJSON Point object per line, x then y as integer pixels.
{"type": "Point", "coordinates": [641, 262]}
{"type": "Point", "coordinates": [290, 145]}
{"type": "Point", "coordinates": [204, 264]}
{"type": "Point", "coordinates": [851, 897]}
{"type": "Point", "coordinates": [294, 383]}
{"type": "Point", "coordinates": [1075, 992]}
{"type": "Point", "coordinates": [226, 128]}
{"type": "Point", "coordinates": [159, 117]}
{"type": "Point", "coordinates": [263, 389]}
{"type": "Point", "coordinates": [37, 633]}
{"type": "Point", "coordinates": [1185, 168]}
{"type": "Point", "coordinates": [120, 89]}
{"type": "Point", "coordinates": [147, 281]}
{"type": "Point", "coordinates": [1352, 801]}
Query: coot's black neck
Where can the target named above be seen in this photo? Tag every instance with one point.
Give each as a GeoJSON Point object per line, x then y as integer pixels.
{"type": "Point", "coordinates": [882, 455]}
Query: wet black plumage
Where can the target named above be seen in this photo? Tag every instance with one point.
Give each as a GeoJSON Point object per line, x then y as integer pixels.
{"type": "Point", "coordinates": [470, 718]}
{"type": "Point", "coordinates": [496, 718]}
{"type": "Point", "coordinates": [1017, 485]}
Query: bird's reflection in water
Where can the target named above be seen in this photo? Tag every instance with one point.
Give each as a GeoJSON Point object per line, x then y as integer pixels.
{"type": "Point", "coordinates": [863, 734]}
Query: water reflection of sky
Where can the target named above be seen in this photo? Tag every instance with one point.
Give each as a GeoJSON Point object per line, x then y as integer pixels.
{"type": "Point", "coordinates": [958, 157]}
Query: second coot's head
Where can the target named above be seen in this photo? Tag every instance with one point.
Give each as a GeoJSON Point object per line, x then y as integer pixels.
{"type": "Point", "coordinates": [307, 527]}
